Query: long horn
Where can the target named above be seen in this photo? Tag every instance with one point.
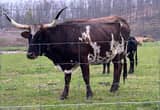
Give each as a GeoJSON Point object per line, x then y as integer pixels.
{"type": "Point", "coordinates": [14, 23]}
{"type": "Point", "coordinates": [53, 23]}
{"type": "Point", "coordinates": [60, 13]}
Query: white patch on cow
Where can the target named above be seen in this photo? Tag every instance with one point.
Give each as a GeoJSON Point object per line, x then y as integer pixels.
{"type": "Point", "coordinates": [112, 54]}
{"type": "Point", "coordinates": [96, 53]}
{"type": "Point", "coordinates": [112, 42]}
{"type": "Point", "coordinates": [121, 23]}
{"type": "Point", "coordinates": [68, 71]}
{"type": "Point", "coordinates": [90, 57]}
{"type": "Point", "coordinates": [80, 39]}
{"type": "Point", "coordinates": [121, 46]}
{"type": "Point", "coordinates": [86, 35]}
{"type": "Point", "coordinates": [95, 47]}
{"type": "Point", "coordinates": [95, 57]}
{"type": "Point", "coordinates": [115, 48]}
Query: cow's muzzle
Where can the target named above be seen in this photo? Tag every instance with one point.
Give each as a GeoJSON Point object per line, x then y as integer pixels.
{"type": "Point", "coordinates": [31, 55]}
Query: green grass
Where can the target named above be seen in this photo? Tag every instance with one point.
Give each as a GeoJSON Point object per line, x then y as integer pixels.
{"type": "Point", "coordinates": [26, 82]}
{"type": "Point", "coordinates": [14, 48]}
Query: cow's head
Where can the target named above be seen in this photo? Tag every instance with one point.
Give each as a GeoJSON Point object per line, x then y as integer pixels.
{"type": "Point", "coordinates": [34, 35]}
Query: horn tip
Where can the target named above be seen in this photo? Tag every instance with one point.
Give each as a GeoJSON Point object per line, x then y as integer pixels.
{"type": "Point", "coordinates": [60, 12]}
{"type": "Point", "coordinates": [7, 17]}
{"type": "Point", "coordinates": [65, 7]}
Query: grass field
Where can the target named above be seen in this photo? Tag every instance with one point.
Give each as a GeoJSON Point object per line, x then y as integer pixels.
{"type": "Point", "coordinates": [14, 48]}
{"type": "Point", "coordinates": [38, 84]}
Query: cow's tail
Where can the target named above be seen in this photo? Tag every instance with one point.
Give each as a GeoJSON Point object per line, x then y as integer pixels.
{"type": "Point", "coordinates": [136, 58]}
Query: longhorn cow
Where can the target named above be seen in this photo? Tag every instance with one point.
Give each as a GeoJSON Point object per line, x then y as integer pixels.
{"type": "Point", "coordinates": [70, 45]}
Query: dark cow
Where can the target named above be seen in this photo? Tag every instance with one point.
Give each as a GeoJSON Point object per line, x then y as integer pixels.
{"type": "Point", "coordinates": [125, 30]}
{"type": "Point", "coordinates": [131, 53]}
{"type": "Point", "coordinates": [71, 44]}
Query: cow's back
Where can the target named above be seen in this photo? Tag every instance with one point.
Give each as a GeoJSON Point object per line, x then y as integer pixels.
{"type": "Point", "coordinates": [125, 30]}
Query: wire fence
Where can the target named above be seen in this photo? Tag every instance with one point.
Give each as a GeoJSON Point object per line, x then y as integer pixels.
{"type": "Point", "coordinates": [44, 87]}
{"type": "Point", "coordinates": [36, 85]}
{"type": "Point", "coordinates": [80, 104]}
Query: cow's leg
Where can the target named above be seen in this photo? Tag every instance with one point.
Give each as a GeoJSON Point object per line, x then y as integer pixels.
{"type": "Point", "coordinates": [108, 67]}
{"type": "Point", "coordinates": [136, 58]}
{"type": "Point", "coordinates": [116, 77]}
{"type": "Point", "coordinates": [124, 69]}
{"type": "Point", "coordinates": [86, 77]}
{"type": "Point", "coordinates": [104, 68]}
{"type": "Point", "coordinates": [131, 59]}
{"type": "Point", "coordinates": [66, 87]}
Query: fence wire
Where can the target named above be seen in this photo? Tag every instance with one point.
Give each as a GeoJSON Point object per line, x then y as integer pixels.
{"type": "Point", "coordinates": [80, 104]}
{"type": "Point", "coordinates": [41, 88]}
{"type": "Point", "coordinates": [40, 69]}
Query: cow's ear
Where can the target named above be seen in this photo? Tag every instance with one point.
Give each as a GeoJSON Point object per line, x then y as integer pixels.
{"type": "Point", "coordinates": [25, 34]}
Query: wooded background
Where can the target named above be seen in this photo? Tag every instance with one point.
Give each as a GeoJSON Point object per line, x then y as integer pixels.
{"type": "Point", "coordinates": [142, 15]}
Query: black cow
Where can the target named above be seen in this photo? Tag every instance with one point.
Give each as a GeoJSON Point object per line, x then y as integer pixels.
{"type": "Point", "coordinates": [131, 53]}
{"type": "Point", "coordinates": [125, 30]}
{"type": "Point", "coordinates": [71, 44]}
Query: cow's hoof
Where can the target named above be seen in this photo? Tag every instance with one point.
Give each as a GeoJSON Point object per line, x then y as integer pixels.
{"type": "Point", "coordinates": [63, 97]}
{"type": "Point", "coordinates": [89, 95]}
{"type": "Point", "coordinates": [131, 71]}
{"type": "Point", "coordinates": [114, 88]}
